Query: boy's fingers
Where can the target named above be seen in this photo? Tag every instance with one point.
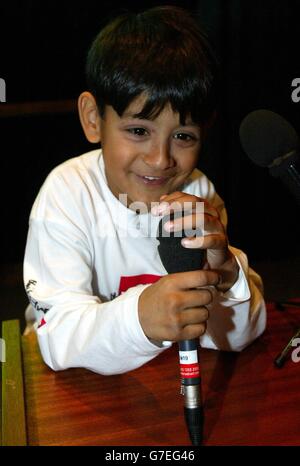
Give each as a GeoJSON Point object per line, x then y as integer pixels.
{"type": "Point", "coordinates": [196, 298]}
{"type": "Point", "coordinates": [218, 241]}
{"type": "Point", "coordinates": [194, 316]}
{"type": "Point", "coordinates": [177, 200]}
{"type": "Point", "coordinates": [171, 197]}
{"type": "Point", "coordinates": [195, 278]}
{"type": "Point", "coordinates": [190, 332]}
{"type": "Point", "coordinates": [193, 298]}
{"type": "Point", "coordinates": [195, 220]}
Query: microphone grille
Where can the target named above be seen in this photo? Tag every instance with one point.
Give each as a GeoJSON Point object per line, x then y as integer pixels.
{"type": "Point", "coordinates": [265, 136]}
{"type": "Point", "coordinates": [175, 257]}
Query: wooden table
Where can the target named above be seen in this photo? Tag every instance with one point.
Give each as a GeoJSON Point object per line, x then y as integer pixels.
{"type": "Point", "coordinates": [247, 400]}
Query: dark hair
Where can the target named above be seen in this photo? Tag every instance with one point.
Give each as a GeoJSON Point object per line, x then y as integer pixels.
{"type": "Point", "coordinates": [161, 52]}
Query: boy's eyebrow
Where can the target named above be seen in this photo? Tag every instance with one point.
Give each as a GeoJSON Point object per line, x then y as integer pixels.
{"type": "Point", "coordinates": [128, 115]}
{"type": "Point", "coordinates": [132, 115]}
{"type": "Point", "coordinates": [135, 115]}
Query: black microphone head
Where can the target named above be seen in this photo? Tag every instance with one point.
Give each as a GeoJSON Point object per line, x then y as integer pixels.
{"type": "Point", "coordinates": [175, 257]}
{"type": "Point", "coordinates": [266, 136]}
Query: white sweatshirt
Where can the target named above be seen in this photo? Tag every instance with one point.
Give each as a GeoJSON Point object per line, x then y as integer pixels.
{"type": "Point", "coordinates": [88, 258]}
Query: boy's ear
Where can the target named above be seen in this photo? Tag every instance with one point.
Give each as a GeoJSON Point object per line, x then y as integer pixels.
{"type": "Point", "coordinates": [89, 117]}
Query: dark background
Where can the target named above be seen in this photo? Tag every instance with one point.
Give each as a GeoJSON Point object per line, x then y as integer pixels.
{"type": "Point", "coordinates": [42, 54]}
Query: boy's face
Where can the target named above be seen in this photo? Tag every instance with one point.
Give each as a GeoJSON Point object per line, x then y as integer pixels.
{"type": "Point", "coordinates": [147, 158]}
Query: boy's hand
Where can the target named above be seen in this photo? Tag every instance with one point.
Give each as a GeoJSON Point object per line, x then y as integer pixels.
{"type": "Point", "coordinates": [174, 309]}
{"type": "Point", "coordinates": [214, 238]}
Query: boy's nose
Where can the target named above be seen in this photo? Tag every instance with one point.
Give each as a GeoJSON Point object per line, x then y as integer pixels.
{"type": "Point", "coordinates": [159, 157]}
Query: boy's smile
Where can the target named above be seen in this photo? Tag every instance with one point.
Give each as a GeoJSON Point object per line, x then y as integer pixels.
{"type": "Point", "coordinates": [147, 158]}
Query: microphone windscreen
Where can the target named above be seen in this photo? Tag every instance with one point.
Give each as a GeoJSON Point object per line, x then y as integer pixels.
{"type": "Point", "coordinates": [175, 257]}
{"type": "Point", "coordinates": [265, 136]}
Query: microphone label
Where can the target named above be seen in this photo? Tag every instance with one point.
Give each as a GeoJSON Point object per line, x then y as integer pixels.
{"type": "Point", "coordinates": [189, 366]}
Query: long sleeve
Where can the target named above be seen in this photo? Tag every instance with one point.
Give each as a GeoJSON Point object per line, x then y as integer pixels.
{"type": "Point", "coordinates": [76, 329]}
{"type": "Point", "coordinates": [238, 316]}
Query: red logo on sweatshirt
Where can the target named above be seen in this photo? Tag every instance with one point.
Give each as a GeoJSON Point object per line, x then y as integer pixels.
{"type": "Point", "coordinates": [134, 280]}
{"type": "Point", "coordinates": [42, 322]}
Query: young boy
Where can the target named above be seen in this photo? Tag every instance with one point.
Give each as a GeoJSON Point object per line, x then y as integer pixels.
{"type": "Point", "coordinates": [102, 298]}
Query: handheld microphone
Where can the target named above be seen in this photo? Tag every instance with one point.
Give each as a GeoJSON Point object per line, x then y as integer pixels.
{"type": "Point", "coordinates": [270, 141]}
{"type": "Point", "coordinates": [176, 258]}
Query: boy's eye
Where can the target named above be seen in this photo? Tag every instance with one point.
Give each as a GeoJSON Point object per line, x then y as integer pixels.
{"type": "Point", "coordinates": [185, 137]}
{"type": "Point", "coordinates": [137, 131]}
